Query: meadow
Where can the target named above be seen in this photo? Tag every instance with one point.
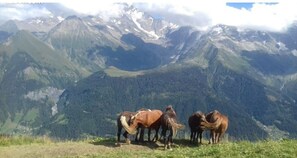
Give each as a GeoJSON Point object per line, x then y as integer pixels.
{"type": "Point", "coordinates": [31, 147]}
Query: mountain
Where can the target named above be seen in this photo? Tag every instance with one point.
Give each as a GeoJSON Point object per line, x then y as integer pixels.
{"type": "Point", "coordinates": [235, 71]}
{"type": "Point", "coordinates": [97, 44]}
{"type": "Point", "coordinates": [69, 76]}
{"type": "Point", "coordinates": [33, 75]}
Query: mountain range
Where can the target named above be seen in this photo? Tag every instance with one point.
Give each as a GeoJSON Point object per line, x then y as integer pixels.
{"type": "Point", "coordinates": [69, 75]}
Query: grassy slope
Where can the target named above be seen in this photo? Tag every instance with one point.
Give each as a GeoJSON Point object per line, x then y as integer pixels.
{"type": "Point", "coordinates": [44, 147]}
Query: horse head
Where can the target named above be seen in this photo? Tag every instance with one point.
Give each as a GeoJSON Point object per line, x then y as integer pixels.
{"type": "Point", "coordinates": [169, 107]}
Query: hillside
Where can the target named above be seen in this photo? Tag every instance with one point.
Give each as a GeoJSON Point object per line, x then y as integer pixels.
{"type": "Point", "coordinates": [99, 98]}
{"type": "Point", "coordinates": [32, 77]}
{"type": "Point", "coordinates": [106, 148]}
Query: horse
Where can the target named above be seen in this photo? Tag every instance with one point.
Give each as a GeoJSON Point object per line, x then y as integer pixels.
{"type": "Point", "coordinates": [194, 122]}
{"type": "Point", "coordinates": [128, 115]}
{"type": "Point", "coordinates": [217, 123]}
{"type": "Point", "coordinates": [169, 122]}
{"type": "Point", "coordinates": [148, 119]}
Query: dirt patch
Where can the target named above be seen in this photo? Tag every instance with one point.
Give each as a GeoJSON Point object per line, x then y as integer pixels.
{"type": "Point", "coordinates": [74, 149]}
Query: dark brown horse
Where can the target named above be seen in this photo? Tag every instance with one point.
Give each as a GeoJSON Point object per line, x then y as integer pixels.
{"type": "Point", "coordinates": [217, 123]}
{"type": "Point", "coordinates": [196, 129]}
{"type": "Point", "coordinates": [148, 119]}
{"type": "Point", "coordinates": [169, 122]}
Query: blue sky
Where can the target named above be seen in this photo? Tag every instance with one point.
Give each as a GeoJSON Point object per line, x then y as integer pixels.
{"type": "Point", "coordinates": [247, 5]}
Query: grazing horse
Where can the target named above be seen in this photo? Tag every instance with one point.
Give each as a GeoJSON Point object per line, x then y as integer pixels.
{"type": "Point", "coordinates": [169, 122]}
{"type": "Point", "coordinates": [148, 119]}
{"type": "Point", "coordinates": [217, 123]}
{"type": "Point", "coordinates": [194, 123]}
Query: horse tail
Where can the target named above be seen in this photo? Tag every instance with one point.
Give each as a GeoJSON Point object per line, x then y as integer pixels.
{"type": "Point", "coordinates": [126, 126]}
{"type": "Point", "coordinates": [213, 125]}
{"type": "Point", "coordinates": [175, 126]}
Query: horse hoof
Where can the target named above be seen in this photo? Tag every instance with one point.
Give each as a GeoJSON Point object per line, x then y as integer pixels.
{"type": "Point", "coordinates": [118, 144]}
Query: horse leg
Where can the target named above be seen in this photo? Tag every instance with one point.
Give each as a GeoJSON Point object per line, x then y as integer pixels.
{"type": "Point", "coordinates": [137, 135]}
{"type": "Point", "coordinates": [200, 136]}
{"type": "Point", "coordinates": [191, 137]}
{"type": "Point", "coordinates": [156, 137]}
{"type": "Point", "coordinates": [119, 133]}
{"type": "Point", "coordinates": [163, 134]}
{"type": "Point", "coordinates": [214, 137]}
{"type": "Point", "coordinates": [196, 135]}
{"type": "Point", "coordinates": [141, 139]}
{"type": "Point", "coordinates": [210, 137]}
{"type": "Point", "coordinates": [149, 134]}
{"type": "Point", "coordinates": [170, 141]}
{"type": "Point", "coordinates": [219, 136]}
{"type": "Point", "coordinates": [126, 137]}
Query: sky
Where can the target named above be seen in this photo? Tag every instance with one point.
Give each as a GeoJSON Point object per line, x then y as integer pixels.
{"type": "Point", "coordinates": [270, 15]}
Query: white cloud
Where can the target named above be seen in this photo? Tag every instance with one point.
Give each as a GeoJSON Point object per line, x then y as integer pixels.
{"type": "Point", "coordinates": [272, 17]}
{"type": "Point", "coordinates": [201, 14]}
{"type": "Point", "coordinates": [21, 11]}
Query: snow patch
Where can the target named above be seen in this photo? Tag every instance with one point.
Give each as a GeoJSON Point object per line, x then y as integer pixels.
{"type": "Point", "coordinates": [135, 15]}
{"type": "Point", "coordinates": [110, 27]}
{"type": "Point", "coordinates": [54, 109]}
{"type": "Point", "coordinates": [281, 46]}
{"type": "Point", "coordinates": [217, 30]}
{"type": "Point", "coordinates": [60, 18]}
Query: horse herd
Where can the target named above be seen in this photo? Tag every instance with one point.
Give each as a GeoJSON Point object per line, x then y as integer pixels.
{"type": "Point", "coordinates": [136, 122]}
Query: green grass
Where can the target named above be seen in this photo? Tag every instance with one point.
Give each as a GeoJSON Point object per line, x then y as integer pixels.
{"type": "Point", "coordinates": [31, 115]}
{"type": "Point", "coordinates": [102, 147]}
{"type": "Point", "coordinates": [6, 140]}
{"type": "Point", "coordinates": [11, 124]}
{"type": "Point", "coordinates": [115, 72]}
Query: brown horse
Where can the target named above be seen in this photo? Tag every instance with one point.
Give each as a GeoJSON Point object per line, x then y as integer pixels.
{"type": "Point", "coordinates": [194, 122]}
{"type": "Point", "coordinates": [148, 119]}
{"type": "Point", "coordinates": [217, 123]}
{"type": "Point", "coordinates": [169, 122]}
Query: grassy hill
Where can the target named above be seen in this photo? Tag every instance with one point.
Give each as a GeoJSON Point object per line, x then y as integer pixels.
{"type": "Point", "coordinates": [99, 147]}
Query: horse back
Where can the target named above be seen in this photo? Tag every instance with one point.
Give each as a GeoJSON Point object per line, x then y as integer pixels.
{"type": "Point", "coordinates": [149, 118]}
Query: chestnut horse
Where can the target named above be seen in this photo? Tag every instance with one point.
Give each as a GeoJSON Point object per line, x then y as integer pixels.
{"type": "Point", "coordinates": [148, 119]}
{"type": "Point", "coordinates": [196, 129]}
{"type": "Point", "coordinates": [217, 123]}
{"type": "Point", "coordinates": [169, 122]}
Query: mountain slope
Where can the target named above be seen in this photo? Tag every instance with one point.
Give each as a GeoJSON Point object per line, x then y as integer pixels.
{"type": "Point", "coordinates": [90, 107]}
{"type": "Point", "coordinates": [32, 76]}
{"type": "Point", "coordinates": [231, 79]}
